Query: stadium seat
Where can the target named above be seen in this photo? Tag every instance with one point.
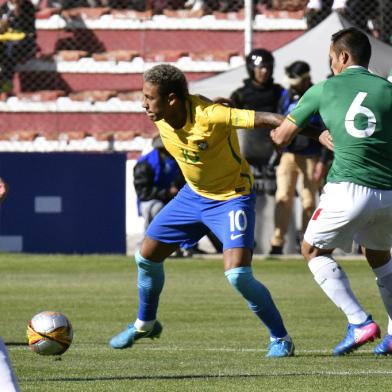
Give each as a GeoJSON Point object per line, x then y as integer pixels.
{"type": "Point", "coordinates": [213, 55]}
{"type": "Point", "coordinates": [165, 55]}
{"type": "Point", "coordinates": [131, 14]}
{"type": "Point", "coordinates": [93, 96]}
{"type": "Point", "coordinates": [85, 12]}
{"type": "Point", "coordinates": [131, 96]}
{"type": "Point", "coordinates": [41, 96]}
{"type": "Point", "coordinates": [70, 55]}
{"type": "Point", "coordinates": [184, 14]}
{"type": "Point", "coordinates": [116, 55]}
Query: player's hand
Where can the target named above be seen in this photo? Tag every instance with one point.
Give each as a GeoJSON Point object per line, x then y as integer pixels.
{"type": "Point", "coordinates": [325, 139]}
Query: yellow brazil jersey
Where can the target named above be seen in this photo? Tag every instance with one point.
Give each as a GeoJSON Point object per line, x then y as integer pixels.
{"type": "Point", "coordinates": [207, 149]}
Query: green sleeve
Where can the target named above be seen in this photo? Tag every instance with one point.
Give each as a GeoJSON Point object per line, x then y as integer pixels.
{"type": "Point", "coordinates": [307, 106]}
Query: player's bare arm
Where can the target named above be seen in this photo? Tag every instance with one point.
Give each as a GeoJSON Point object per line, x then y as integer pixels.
{"type": "Point", "coordinates": [284, 133]}
{"type": "Point", "coordinates": [267, 120]}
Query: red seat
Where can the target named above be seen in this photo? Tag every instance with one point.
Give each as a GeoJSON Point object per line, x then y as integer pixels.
{"type": "Point", "coordinates": [46, 13]}
{"type": "Point", "coordinates": [213, 55]}
{"type": "Point", "coordinates": [132, 14]}
{"type": "Point", "coordinates": [131, 96]}
{"type": "Point", "coordinates": [86, 12]}
{"type": "Point", "coordinates": [41, 96]}
{"type": "Point", "coordinates": [164, 55]}
{"type": "Point", "coordinates": [116, 55]}
{"type": "Point", "coordinates": [93, 95]}
{"type": "Point", "coordinates": [183, 13]}
{"type": "Point", "coordinates": [71, 55]}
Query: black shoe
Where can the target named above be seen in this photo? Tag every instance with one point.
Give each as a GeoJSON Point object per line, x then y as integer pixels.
{"type": "Point", "coordinates": [276, 250]}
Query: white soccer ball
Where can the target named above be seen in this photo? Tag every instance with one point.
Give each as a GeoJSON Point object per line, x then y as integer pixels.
{"type": "Point", "coordinates": [49, 333]}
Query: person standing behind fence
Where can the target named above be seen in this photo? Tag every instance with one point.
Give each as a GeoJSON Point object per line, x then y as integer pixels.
{"type": "Point", "coordinates": [356, 204]}
{"type": "Point", "coordinates": [298, 160]}
{"type": "Point", "coordinates": [17, 38]}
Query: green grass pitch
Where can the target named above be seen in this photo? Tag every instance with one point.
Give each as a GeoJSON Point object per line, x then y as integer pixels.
{"type": "Point", "coordinates": [210, 341]}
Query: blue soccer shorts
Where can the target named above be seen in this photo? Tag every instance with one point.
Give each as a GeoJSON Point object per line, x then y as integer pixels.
{"type": "Point", "coordinates": [189, 216]}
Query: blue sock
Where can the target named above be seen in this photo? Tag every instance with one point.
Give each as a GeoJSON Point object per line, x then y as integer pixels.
{"type": "Point", "coordinates": [150, 280]}
{"type": "Point", "coordinates": [259, 299]}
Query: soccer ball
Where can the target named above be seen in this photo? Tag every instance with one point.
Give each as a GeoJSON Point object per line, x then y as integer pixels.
{"type": "Point", "coordinates": [49, 333]}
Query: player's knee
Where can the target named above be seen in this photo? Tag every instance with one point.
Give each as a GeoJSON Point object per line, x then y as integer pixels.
{"type": "Point", "coordinates": [240, 277]}
{"type": "Point", "coordinates": [146, 264]}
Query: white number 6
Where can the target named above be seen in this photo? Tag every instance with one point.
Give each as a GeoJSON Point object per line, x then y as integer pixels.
{"type": "Point", "coordinates": [354, 109]}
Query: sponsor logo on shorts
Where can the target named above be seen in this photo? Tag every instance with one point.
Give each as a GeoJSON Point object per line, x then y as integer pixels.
{"type": "Point", "coordinates": [235, 236]}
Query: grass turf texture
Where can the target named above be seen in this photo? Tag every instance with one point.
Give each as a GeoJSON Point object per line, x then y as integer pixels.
{"type": "Point", "coordinates": [210, 342]}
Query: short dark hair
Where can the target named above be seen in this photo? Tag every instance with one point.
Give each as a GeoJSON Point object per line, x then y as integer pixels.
{"type": "Point", "coordinates": [170, 79]}
{"type": "Point", "coordinates": [355, 42]}
{"type": "Point", "coordinates": [297, 69]}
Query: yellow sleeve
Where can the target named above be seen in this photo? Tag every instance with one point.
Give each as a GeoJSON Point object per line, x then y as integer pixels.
{"type": "Point", "coordinates": [242, 118]}
{"type": "Point", "coordinates": [236, 118]}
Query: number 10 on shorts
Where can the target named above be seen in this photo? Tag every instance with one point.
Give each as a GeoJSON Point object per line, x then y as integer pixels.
{"type": "Point", "coordinates": [238, 221]}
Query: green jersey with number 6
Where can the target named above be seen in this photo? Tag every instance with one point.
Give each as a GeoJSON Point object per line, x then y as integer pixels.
{"type": "Point", "coordinates": [356, 107]}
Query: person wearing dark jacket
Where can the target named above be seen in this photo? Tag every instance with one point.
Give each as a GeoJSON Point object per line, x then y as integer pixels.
{"type": "Point", "coordinates": [259, 92]}
{"type": "Point", "coordinates": [17, 27]}
{"type": "Point", "coordinates": [157, 179]}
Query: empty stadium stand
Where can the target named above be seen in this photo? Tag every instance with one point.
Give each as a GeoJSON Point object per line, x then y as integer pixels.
{"type": "Point", "coordinates": [83, 85]}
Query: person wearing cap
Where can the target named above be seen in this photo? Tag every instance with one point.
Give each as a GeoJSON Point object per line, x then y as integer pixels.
{"type": "Point", "coordinates": [300, 160]}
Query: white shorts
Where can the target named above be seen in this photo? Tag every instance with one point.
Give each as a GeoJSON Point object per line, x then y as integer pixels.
{"type": "Point", "coordinates": [348, 212]}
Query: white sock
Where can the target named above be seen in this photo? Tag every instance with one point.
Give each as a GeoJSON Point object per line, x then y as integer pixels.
{"type": "Point", "coordinates": [7, 377]}
{"type": "Point", "coordinates": [384, 283]}
{"type": "Point", "coordinates": [141, 325]}
{"type": "Point", "coordinates": [334, 282]}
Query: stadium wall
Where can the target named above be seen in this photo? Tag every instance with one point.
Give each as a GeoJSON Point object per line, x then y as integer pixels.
{"type": "Point", "coordinates": [64, 203]}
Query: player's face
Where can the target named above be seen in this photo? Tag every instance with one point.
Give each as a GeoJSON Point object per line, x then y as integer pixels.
{"type": "Point", "coordinates": [155, 105]}
{"type": "Point", "coordinates": [262, 74]}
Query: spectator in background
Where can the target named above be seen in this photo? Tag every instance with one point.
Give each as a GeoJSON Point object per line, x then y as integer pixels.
{"type": "Point", "coordinates": [17, 28]}
{"type": "Point", "coordinates": [365, 14]}
{"type": "Point", "coordinates": [298, 161]}
{"type": "Point", "coordinates": [157, 179]}
{"type": "Point", "coordinates": [316, 11]}
{"type": "Point", "coordinates": [259, 93]}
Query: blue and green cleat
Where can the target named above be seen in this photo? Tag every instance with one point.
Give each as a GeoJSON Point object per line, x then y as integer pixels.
{"type": "Point", "coordinates": [127, 337]}
{"type": "Point", "coordinates": [357, 335]}
{"type": "Point", "coordinates": [385, 347]}
{"type": "Point", "coordinates": [280, 348]}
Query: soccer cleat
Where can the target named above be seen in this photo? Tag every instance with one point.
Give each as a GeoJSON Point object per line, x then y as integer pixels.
{"type": "Point", "coordinates": [280, 348]}
{"type": "Point", "coordinates": [127, 337]}
{"type": "Point", "coordinates": [385, 347]}
{"type": "Point", "coordinates": [276, 250]}
{"type": "Point", "coordinates": [357, 335]}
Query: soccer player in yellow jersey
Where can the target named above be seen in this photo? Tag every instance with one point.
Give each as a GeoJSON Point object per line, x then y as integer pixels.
{"type": "Point", "coordinates": [218, 196]}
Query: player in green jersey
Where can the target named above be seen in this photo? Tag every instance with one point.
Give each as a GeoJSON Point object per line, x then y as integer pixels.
{"type": "Point", "coordinates": [356, 204]}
